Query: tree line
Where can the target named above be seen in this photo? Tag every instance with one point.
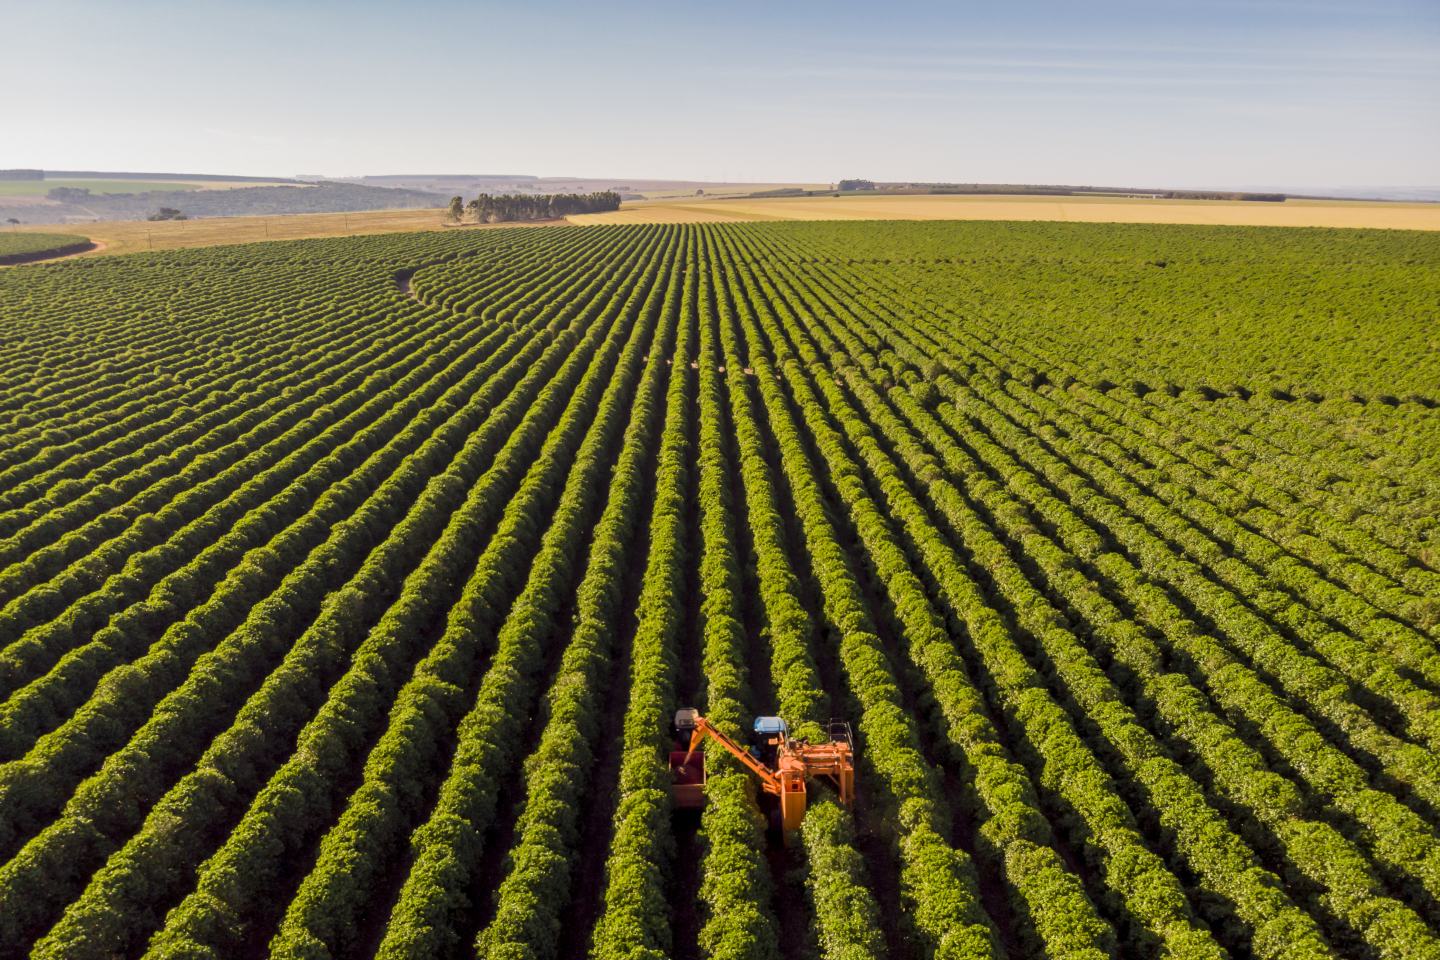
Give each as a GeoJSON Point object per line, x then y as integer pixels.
{"type": "Point", "coordinates": [507, 207]}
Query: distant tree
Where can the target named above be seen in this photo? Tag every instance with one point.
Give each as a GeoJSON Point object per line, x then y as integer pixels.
{"type": "Point", "coordinates": [457, 209]}
{"type": "Point", "coordinates": [12, 220]}
{"type": "Point", "coordinates": [167, 213]}
{"type": "Point", "coordinates": [699, 193]}
{"type": "Point", "coordinates": [857, 185]}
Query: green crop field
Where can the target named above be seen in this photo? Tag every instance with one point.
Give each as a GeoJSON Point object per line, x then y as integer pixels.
{"type": "Point", "coordinates": [20, 247]}
{"type": "Point", "coordinates": [348, 587]}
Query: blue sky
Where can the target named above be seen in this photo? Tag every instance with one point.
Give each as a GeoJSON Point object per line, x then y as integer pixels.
{"type": "Point", "coordinates": [1163, 93]}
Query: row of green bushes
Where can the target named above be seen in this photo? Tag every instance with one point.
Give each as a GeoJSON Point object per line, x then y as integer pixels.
{"type": "Point", "coordinates": [634, 910]}
{"type": "Point", "coordinates": [459, 503]}
{"type": "Point", "coordinates": [186, 706]}
{"type": "Point", "coordinates": [938, 880]}
{"type": "Point", "coordinates": [1350, 886]}
{"type": "Point", "coordinates": [531, 903]}
{"type": "Point", "coordinates": [298, 802]}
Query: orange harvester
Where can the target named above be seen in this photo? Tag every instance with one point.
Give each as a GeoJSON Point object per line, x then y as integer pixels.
{"type": "Point", "coordinates": [791, 761]}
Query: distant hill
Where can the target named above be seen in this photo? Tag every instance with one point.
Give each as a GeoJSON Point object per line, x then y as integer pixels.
{"type": "Point", "coordinates": [469, 184]}
{"type": "Point", "coordinates": [72, 205]}
{"type": "Point", "coordinates": [407, 178]}
{"type": "Point", "coordinates": [1414, 194]}
{"type": "Point", "coordinates": [130, 175]}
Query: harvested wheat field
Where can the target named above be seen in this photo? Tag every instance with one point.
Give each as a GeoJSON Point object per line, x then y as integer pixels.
{"type": "Point", "coordinates": [1240, 213]}
{"type": "Point", "coordinates": [133, 236]}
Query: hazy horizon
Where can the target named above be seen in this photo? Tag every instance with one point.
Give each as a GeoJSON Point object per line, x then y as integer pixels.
{"type": "Point", "coordinates": [623, 179]}
{"type": "Point", "coordinates": [1294, 94]}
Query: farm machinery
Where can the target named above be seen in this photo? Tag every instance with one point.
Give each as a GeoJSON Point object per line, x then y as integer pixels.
{"type": "Point", "coordinates": [782, 763]}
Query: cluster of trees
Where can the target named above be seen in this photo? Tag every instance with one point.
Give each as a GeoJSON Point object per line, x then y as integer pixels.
{"type": "Point", "coordinates": [1221, 195]}
{"type": "Point", "coordinates": [510, 207]}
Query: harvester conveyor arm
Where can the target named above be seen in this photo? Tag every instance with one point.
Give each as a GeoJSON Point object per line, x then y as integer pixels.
{"type": "Point", "coordinates": [703, 729]}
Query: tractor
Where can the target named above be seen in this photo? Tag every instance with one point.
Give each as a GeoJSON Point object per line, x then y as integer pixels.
{"type": "Point", "coordinates": [782, 763]}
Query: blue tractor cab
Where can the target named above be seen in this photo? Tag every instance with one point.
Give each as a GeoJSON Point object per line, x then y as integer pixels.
{"type": "Point", "coordinates": [770, 732]}
{"type": "Point", "coordinates": [771, 727]}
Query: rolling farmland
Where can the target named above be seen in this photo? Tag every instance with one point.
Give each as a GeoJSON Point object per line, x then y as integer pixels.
{"type": "Point", "coordinates": [21, 188]}
{"type": "Point", "coordinates": [348, 587]}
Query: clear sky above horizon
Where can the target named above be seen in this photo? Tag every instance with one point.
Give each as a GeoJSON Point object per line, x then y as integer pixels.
{"type": "Point", "coordinates": [1287, 93]}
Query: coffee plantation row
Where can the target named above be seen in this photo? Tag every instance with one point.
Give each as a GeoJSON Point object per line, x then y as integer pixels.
{"type": "Point", "coordinates": [25, 247]}
{"type": "Point", "coordinates": [348, 587]}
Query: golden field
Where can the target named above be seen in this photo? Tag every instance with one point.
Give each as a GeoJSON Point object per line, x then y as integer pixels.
{"type": "Point", "coordinates": [132, 236]}
{"type": "Point", "coordinates": [1291, 213]}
